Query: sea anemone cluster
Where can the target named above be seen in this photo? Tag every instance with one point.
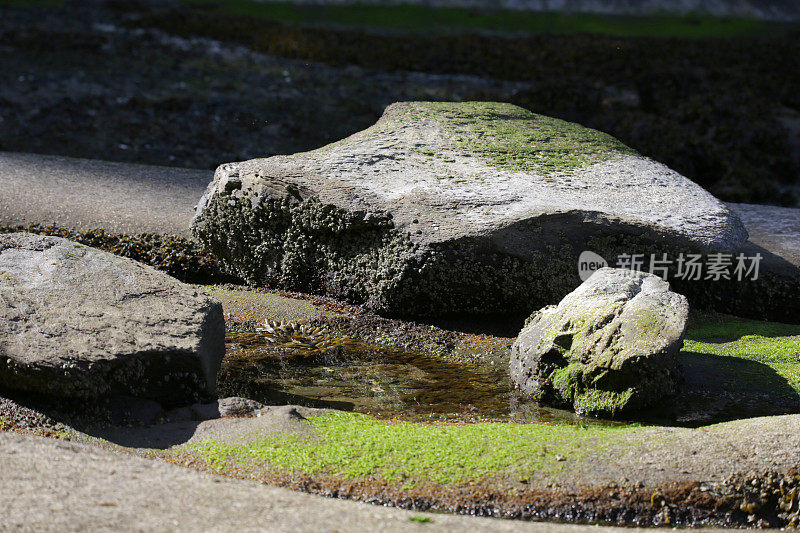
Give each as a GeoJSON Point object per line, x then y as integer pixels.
{"type": "Point", "coordinates": [307, 340]}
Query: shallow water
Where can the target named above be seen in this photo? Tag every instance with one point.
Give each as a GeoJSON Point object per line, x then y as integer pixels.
{"type": "Point", "coordinates": [384, 382]}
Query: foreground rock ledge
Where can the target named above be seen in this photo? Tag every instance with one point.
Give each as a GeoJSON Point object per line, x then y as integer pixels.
{"type": "Point", "coordinates": [609, 346]}
{"type": "Point", "coordinates": [79, 322]}
{"type": "Point", "coordinates": [449, 208]}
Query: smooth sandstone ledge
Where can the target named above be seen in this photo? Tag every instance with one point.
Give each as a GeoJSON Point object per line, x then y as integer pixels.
{"type": "Point", "coordinates": [82, 194]}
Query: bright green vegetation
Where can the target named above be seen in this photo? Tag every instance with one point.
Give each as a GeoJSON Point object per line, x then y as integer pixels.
{"type": "Point", "coordinates": [356, 445]}
{"type": "Point", "coordinates": [420, 519]}
{"type": "Point", "coordinates": [421, 19]}
{"type": "Point", "coordinates": [773, 346]}
{"type": "Point", "coordinates": [508, 136]}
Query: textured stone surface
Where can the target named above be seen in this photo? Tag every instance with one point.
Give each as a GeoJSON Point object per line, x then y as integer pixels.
{"type": "Point", "coordinates": [609, 345]}
{"type": "Point", "coordinates": [442, 208]}
{"type": "Point", "coordinates": [76, 321]}
{"type": "Point", "coordinates": [776, 229]}
{"type": "Point", "coordinates": [232, 406]}
{"type": "Point", "coordinates": [775, 235]}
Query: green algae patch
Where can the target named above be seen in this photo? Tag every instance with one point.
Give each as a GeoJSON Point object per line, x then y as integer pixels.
{"type": "Point", "coordinates": [779, 355]}
{"type": "Point", "coordinates": [356, 446]}
{"type": "Point", "coordinates": [735, 368]}
{"type": "Point", "coordinates": [600, 401]}
{"type": "Point", "coordinates": [510, 137]}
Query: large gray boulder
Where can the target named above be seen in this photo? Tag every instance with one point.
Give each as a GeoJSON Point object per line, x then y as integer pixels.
{"type": "Point", "coordinates": [79, 322]}
{"type": "Point", "coordinates": [451, 207]}
{"type": "Point", "coordinates": [608, 346]}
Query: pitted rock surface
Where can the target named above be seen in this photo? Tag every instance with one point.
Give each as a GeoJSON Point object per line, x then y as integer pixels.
{"type": "Point", "coordinates": [608, 346]}
{"type": "Point", "coordinates": [79, 322]}
{"type": "Point", "coordinates": [450, 207]}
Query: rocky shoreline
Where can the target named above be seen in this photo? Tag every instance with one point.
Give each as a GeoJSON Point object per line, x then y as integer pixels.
{"type": "Point", "coordinates": [380, 352]}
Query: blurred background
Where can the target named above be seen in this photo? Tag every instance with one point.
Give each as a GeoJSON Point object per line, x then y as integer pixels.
{"type": "Point", "coordinates": [711, 88]}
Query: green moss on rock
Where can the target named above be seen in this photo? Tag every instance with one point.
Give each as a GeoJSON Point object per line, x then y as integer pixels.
{"type": "Point", "coordinates": [356, 445]}
{"type": "Point", "coordinates": [513, 138]}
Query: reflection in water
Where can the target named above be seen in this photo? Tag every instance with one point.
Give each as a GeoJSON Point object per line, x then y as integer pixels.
{"type": "Point", "coordinates": [383, 382]}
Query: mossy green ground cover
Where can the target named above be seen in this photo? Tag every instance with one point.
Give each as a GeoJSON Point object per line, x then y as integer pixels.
{"type": "Point", "coordinates": [511, 137]}
{"type": "Point", "coordinates": [423, 19]}
{"type": "Point", "coordinates": [356, 446]}
{"type": "Point", "coordinates": [734, 340]}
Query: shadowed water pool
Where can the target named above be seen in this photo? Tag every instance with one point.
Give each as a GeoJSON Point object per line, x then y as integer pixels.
{"type": "Point", "coordinates": [383, 382]}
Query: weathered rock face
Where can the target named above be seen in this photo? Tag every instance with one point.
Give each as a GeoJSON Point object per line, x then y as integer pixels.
{"type": "Point", "coordinates": [80, 322]}
{"type": "Point", "coordinates": [448, 208]}
{"type": "Point", "coordinates": [610, 345]}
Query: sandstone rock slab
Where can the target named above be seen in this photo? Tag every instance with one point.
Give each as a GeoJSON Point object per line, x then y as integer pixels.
{"type": "Point", "coordinates": [450, 207]}
{"type": "Point", "coordinates": [79, 322]}
{"type": "Point", "coordinates": [608, 346]}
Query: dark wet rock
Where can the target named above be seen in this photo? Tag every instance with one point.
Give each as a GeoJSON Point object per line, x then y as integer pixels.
{"type": "Point", "coordinates": [233, 406]}
{"type": "Point", "coordinates": [444, 208]}
{"type": "Point", "coordinates": [79, 322]}
{"type": "Point", "coordinates": [127, 410]}
{"type": "Point", "coordinates": [610, 345]}
{"type": "Point", "coordinates": [769, 289]}
{"type": "Point", "coordinates": [759, 9]}
{"type": "Point", "coordinates": [181, 414]}
{"type": "Point", "coordinates": [776, 229]}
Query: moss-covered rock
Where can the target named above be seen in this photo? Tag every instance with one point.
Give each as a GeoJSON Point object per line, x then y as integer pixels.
{"type": "Point", "coordinates": [449, 208]}
{"type": "Point", "coordinates": [609, 346]}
